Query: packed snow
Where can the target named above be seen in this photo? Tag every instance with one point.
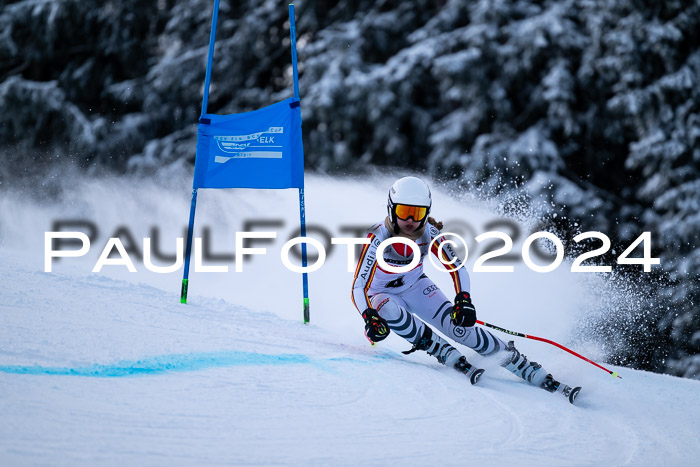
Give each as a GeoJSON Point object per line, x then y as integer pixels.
{"type": "Point", "coordinates": [109, 368]}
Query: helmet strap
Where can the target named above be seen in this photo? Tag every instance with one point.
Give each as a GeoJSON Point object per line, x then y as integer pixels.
{"type": "Point", "coordinates": [395, 222]}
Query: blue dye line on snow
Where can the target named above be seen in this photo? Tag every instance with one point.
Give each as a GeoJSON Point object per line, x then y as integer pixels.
{"type": "Point", "coordinates": [162, 364]}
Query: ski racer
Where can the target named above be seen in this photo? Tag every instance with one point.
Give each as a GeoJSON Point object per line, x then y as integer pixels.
{"type": "Point", "coordinates": [411, 305]}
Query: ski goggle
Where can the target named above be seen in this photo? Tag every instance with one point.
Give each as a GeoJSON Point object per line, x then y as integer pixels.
{"type": "Point", "coordinates": [404, 211]}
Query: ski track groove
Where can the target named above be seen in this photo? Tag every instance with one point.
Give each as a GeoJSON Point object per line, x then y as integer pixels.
{"type": "Point", "coordinates": [515, 433]}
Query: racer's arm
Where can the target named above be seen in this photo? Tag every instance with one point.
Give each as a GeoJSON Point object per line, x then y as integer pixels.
{"type": "Point", "coordinates": [463, 312]}
{"type": "Point", "coordinates": [364, 273]}
{"type": "Point", "coordinates": [376, 327]}
{"type": "Point", "coordinates": [445, 253]}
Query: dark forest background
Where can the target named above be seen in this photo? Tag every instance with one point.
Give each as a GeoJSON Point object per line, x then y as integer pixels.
{"type": "Point", "coordinates": [588, 111]}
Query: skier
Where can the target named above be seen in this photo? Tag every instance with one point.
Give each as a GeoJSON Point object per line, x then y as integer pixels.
{"type": "Point", "coordinates": [393, 301]}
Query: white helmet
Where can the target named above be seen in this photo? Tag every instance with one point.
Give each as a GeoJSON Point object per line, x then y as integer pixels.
{"type": "Point", "coordinates": [412, 197]}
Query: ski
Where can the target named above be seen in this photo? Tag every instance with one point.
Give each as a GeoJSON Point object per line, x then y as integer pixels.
{"type": "Point", "coordinates": [569, 392]}
{"type": "Point", "coordinates": [475, 375]}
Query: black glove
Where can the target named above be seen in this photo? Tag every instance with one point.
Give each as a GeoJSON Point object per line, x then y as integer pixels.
{"type": "Point", "coordinates": [376, 327]}
{"type": "Point", "coordinates": [463, 312]}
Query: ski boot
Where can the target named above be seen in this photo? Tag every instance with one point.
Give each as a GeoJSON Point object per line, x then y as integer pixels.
{"type": "Point", "coordinates": [446, 354]}
{"type": "Point", "coordinates": [533, 373]}
{"type": "Point", "coordinates": [463, 366]}
{"type": "Point", "coordinates": [552, 385]}
{"type": "Point", "coordinates": [519, 365]}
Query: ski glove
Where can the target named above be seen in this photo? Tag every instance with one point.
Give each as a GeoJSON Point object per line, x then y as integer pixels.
{"type": "Point", "coordinates": [376, 327]}
{"type": "Point", "coordinates": [463, 312]}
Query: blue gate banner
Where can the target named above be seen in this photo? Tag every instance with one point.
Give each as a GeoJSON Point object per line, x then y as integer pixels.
{"type": "Point", "coordinates": [258, 149]}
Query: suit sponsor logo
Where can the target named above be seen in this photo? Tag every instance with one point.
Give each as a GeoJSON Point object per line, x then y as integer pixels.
{"type": "Point", "coordinates": [367, 267]}
{"type": "Point", "coordinates": [370, 259]}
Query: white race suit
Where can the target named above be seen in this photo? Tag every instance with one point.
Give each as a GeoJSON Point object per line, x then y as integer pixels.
{"type": "Point", "coordinates": [401, 297]}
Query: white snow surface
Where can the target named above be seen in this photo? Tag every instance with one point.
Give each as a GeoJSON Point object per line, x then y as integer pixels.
{"type": "Point", "coordinates": [109, 368]}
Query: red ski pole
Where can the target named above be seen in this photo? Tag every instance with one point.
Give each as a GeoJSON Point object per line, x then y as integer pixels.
{"type": "Point", "coordinates": [520, 334]}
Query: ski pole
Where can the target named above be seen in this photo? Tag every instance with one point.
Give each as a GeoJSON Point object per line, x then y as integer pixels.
{"type": "Point", "coordinates": [520, 334]}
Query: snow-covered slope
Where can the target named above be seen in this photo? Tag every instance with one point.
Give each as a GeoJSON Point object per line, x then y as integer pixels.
{"type": "Point", "coordinates": [110, 368]}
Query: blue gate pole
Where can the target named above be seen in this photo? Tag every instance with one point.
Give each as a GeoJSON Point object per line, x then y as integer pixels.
{"type": "Point", "coordinates": [188, 250]}
{"type": "Point", "coordinates": [302, 205]}
{"type": "Point", "coordinates": [193, 205]}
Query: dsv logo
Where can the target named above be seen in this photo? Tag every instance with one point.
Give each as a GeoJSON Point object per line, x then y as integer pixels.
{"type": "Point", "coordinates": [429, 290]}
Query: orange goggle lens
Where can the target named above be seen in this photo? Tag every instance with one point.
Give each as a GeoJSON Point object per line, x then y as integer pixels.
{"type": "Point", "coordinates": [403, 212]}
